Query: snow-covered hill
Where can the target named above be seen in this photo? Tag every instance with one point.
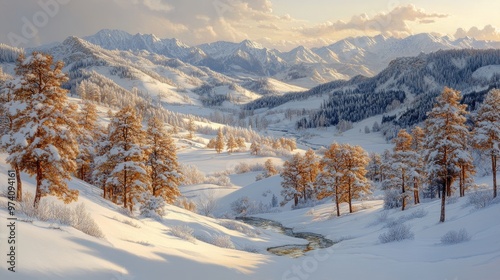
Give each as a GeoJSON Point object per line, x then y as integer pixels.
{"type": "Point", "coordinates": [137, 248]}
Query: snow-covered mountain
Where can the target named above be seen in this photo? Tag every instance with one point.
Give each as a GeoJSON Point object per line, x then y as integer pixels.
{"type": "Point", "coordinates": [301, 66]}
{"type": "Point", "coordinates": [404, 91]}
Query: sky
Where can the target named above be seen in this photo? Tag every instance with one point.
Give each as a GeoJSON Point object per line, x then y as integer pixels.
{"type": "Point", "coordinates": [281, 24]}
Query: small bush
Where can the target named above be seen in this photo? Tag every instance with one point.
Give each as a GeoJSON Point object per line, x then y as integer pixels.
{"type": "Point", "coordinates": [223, 241]}
{"type": "Point", "coordinates": [183, 232]}
{"type": "Point", "coordinates": [152, 206]}
{"type": "Point", "coordinates": [417, 214]}
{"type": "Point", "coordinates": [244, 206]}
{"type": "Point", "coordinates": [455, 237]}
{"type": "Point", "coordinates": [220, 180]}
{"type": "Point", "coordinates": [398, 232]}
{"type": "Point", "coordinates": [392, 199]}
{"type": "Point", "coordinates": [207, 204]}
{"type": "Point", "coordinates": [50, 211]}
{"type": "Point", "coordinates": [83, 221]}
{"type": "Point", "coordinates": [186, 204]}
{"type": "Point", "coordinates": [480, 199]}
{"type": "Point", "coordinates": [244, 167]}
{"type": "Point", "coordinates": [192, 175]}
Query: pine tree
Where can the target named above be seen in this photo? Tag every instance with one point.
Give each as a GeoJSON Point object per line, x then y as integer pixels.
{"type": "Point", "coordinates": [231, 144]}
{"type": "Point", "coordinates": [128, 178]}
{"type": "Point", "coordinates": [163, 168]}
{"type": "Point", "coordinates": [329, 181]}
{"type": "Point", "coordinates": [43, 127]}
{"type": "Point", "coordinates": [86, 136]}
{"type": "Point", "coordinates": [311, 171]}
{"type": "Point", "coordinates": [254, 148]}
{"type": "Point", "coordinates": [293, 183]}
{"type": "Point", "coordinates": [6, 96]}
{"type": "Point", "coordinates": [102, 165]}
{"type": "Point", "coordinates": [418, 136]}
{"type": "Point", "coordinates": [240, 142]}
{"type": "Point", "coordinates": [402, 167]}
{"type": "Point", "coordinates": [446, 136]}
{"type": "Point", "coordinates": [487, 131]}
{"type": "Point", "coordinates": [343, 174]}
{"type": "Point", "coordinates": [219, 141]}
{"type": "Point", "coordinates": [373, 169]}
{"type": "Point", "coordinates": [191, 127]}
{"type": "Point", "coordinates": [355, 160]}
{"type": "Point", "coordinates": [269, 168]}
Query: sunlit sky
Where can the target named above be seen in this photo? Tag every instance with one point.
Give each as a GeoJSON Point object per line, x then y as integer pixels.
{"type": "Point", "coordinates": [281, 24]}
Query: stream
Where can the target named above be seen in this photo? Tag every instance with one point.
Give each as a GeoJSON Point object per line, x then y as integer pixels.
{"type": "Point", "coordinates": [316, 241]}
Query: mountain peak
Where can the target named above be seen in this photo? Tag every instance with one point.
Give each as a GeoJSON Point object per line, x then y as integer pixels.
{"type": "Point", "coordinates": [251, 44]}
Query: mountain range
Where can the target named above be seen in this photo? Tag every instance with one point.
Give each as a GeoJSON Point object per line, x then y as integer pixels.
{"type": "Point", "coordinates": [301, 66]}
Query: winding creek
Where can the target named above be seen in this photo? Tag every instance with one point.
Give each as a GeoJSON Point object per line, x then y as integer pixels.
{"type": "Point", "coordinates": [316, 241]}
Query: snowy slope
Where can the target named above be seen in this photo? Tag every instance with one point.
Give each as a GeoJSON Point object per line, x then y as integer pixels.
{"type": "Point", "coordinates": [138, 249]}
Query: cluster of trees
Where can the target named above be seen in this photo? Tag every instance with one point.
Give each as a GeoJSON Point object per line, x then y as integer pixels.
{"type": "Point", "coordinates": [52, 139]}
{"type": "Point", "coordinates": [439, 156]}
{"type": "Point", "coordinates": [351, 105]}
{"type": "Point", "coordinates": [268, 146]}
{"type": "Point", "coordinates": [340, 174]}
{"type": "Point", "coordinates": [231, 143]}
{"type": "Point", "coordinates": [133, 165]}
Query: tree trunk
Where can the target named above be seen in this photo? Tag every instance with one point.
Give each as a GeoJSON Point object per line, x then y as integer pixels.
{"type": "Point", "coordinates": [296, 199]}
{"type": "Point", "coordinates": [462, 182]}
{"type": "Point", "coordinates": [403, 198]}
{"type": "Point", "coordinates": [350, 199]}
{"type": "Point", "coordinates": [443, 202]}
{"type": "Point", "coordinates": [494, 172]}
{"type": "Point", "coordinates": [104, 191]}
{"type": "Point", "coordinates": [19, 194]}
{"type": "Point", "coordinates": [38, 193]}
{"type": "Point", "coordinates": [125, 188]}
{"type": "Point", "coordinates": [337, 199]}
{"type": "Point", "coordinates": [81, 173]}
{"type": "Point", "coordinates": [416, 197]}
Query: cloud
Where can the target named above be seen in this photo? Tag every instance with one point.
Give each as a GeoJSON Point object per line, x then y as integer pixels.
{"type": "Point", "coordinates": [391, 23]}
{"type": "Point", "coordinates": [489, 32]}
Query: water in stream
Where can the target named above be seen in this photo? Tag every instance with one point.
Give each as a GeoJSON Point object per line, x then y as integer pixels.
{"type": "Point", "coordinates": [316, 241]}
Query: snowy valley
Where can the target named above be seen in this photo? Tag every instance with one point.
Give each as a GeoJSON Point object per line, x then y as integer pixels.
{"type": "Point", "coordinates": [162, 150]}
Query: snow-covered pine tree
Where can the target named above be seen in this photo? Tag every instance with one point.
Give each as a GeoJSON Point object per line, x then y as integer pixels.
{"type": "Point", "coordinates": [128, 178]}
{"type": "Point", "coordinates": [219, 141]}
{"type": "Point", "coordinates": [163, 167]}
{"type": "Point", "coordinates": [6, 96]}
{"type": "Point", "coordinates": [402, 167]}
{"type": "Point", "coordinates": [418, 136]}
{"type": "Point", "coordinates": [102, 165]}
{"type": "Point", "coordinates": [86, 137]}
{"type": "Point", "coordinates": [240, 142]}
{"type": "Point", "coordinates": [487, 131]}
{"type": "Point", "coordinates": [329, 181]}
{"type": "Point", "coordinates": [269, 168]}
{"type": "Point", "coordinates": [191, 127]}
{"type": "Point", "coordinates": [355, 160]}
{"type": "Point", "coordinates": [373, 169]}
{"type": "Point", "coordinates": [311, 170]}
{"type": "Point", "coordinates": [445, 140]}
{"type": "Point", "coordinates": [293, 183]}
{"type": "Point", "coordinates": [231, 144]}
{"type": "Point", "coordinates": [42, 129]}
{"type": "Point", "coordinates": [254, 148]}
